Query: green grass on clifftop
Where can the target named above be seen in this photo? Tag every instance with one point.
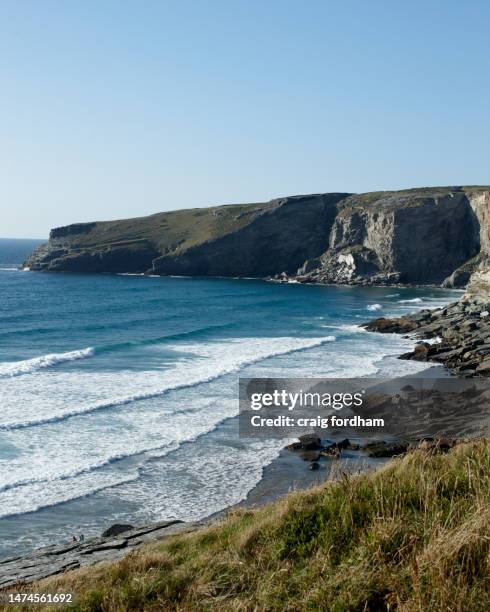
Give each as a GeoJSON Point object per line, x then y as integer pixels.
{"type": "Point", "coordinates": [414, 535]}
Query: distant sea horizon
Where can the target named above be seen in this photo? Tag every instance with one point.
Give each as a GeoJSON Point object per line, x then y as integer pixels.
{"type": "Point", "coordinates": [15, 250]}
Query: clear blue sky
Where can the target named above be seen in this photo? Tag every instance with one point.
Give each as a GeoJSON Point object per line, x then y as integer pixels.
{"type": "Point", "coordinates": [116, 109]}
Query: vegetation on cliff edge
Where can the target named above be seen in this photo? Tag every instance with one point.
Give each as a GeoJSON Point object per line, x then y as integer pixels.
{"type": "Point", "coordinates": [414, 535]}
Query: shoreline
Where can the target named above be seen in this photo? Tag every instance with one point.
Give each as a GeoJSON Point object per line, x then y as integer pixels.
{"type": "Point", "coordinates": [120, 540]}
{"type": "Point", "coordinates": [286, 473]}
{"type": "Point", "coordinates": [290, 280]}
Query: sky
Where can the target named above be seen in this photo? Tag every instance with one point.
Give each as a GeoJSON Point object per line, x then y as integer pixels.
{"type": "Point", "coordinates": [114, 109]}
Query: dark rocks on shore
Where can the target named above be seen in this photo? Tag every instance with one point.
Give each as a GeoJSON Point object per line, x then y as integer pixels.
{"type": "Point", "coordinates": [378, 449]}
{"type": "Point", "coordinates": [397, 325]}
{"type": "Point", "coordinates": [309, 455]}
{"type": "Point", "coordinates": [314, 466]}
{"type": "Point", "coordinates": [59, 558]}
{"type": "Point", "coordinates": [116, 529]}
{"type": "Point", "coordinates": [308, 442]}
{"type": "Point", "coordinates": [310, 447]}
{"type": "Point", "coordinates": [385, 449]}
{"type": "Point", "coordinates": [331, 451]}
{"type": "Point", "coordinates": [436, 445]}
{"type": "Point", "coordinates": [460, 335]}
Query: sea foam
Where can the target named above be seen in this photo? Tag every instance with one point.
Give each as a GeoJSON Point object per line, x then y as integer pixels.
{"type": "Point", "coordinates": [27, 366]}
{"type": "Point", "coordinates": [213, 360]}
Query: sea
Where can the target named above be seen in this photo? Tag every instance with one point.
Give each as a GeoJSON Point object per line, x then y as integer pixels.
{"type": "Point", "coordinates": [119, 393]}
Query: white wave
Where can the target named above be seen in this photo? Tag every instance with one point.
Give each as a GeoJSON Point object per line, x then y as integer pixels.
{"type": "Point", "coordinates": [374, 307]}
{"type": "Point", "coordinates": [130, 273]}
{"type": "Point", "coordinates": [436, 340]}
{"type": "Point", "coordinates": [349, 328]}
{"type": "Point", "coordinates": [412, 301]}
{"type": "Point", "coordinates": [392, 295]}
{"type": "Point", "coordinates": [55, 464]}
{"type": "Point", "coordinates": [221, 485]}
{"type": "Point", "coordinates": [72, 462]}
{"type": "Point", "coordinates": [11, 269]}
{"type": "Point", "coordinates": [27, 366]}
{"type": "Point", "coordinates": [219, 359]}
{"type": "Point", "coordinates": [41, 495]}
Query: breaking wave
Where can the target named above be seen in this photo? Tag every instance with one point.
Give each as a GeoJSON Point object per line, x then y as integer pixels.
{"type": "Point", "coordinates": [27, 366]}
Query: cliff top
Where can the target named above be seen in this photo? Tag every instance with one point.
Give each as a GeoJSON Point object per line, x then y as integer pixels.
{"type": "Point", "coordinates": [187, 227]}
{"type": "Point", "coordinates": [172, 230]}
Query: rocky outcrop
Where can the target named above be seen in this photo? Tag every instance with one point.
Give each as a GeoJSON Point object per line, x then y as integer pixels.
{"type": "Point", "coordinates": [236, 240]}
{"type": "Point", "coordinates": [457, 336]}
{"type": "Point", "coordinates": [419, 236]}
{"type": "Point", "coordinates": [59, 558]}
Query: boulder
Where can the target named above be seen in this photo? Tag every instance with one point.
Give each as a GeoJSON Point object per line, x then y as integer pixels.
{"type": "Point", "coordinates": [385, 449]}
{"type": "Point", "coordinates": [309, 455]}
{"type": "Point", "coordinates": [117, 529]}
{"type": "Point", "coordinates": [307, 442]}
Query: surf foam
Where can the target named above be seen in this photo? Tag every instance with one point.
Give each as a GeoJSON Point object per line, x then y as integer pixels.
{"type": "Point", "coordinates": [27, 366]}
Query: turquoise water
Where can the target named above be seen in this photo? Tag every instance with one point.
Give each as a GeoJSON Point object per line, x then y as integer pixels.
{"type": "Point", "coordinates": [118, 393]}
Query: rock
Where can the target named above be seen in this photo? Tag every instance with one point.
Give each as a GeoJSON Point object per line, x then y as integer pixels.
{"type": "Point", "coordinates": [483, 369]}
{"type": "Point", "coordinates": [444, 443]}
{"type": "Point", "coordinates": [438, 445]}
{"type": "Point", "coordinates": [308, 266]}
{"type": "Point", "coordinates": [314, 466]}
{"type": "Point", "coordinates": [396, 325]}
{"type": "Point", "coordinates": [59, 558]}
{"type": "Point", "coordinates": [309, 455]}
{"type": "Point", "coordinates": [332, 451]}
{"type": "Point", "coordinates": [347, 445]}
{"type": "Point", "coordinates": [307, 442]}
{"type": "Point", "coordinates": [421, 351]}
{"type": "Point", "coordinates": [116, 529]}
{"type": "Point", "coordinates": [465, 345]}
{"type": "Point", "coordinates": [385, 449]}
{"type": "Point", "coordinates": [408, 237]}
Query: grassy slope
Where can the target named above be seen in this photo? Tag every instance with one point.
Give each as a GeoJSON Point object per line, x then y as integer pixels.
{"type": "Point", "coordinates": [411, 196]}
{"type": "Point", "coordinates": [414, 535]}
{"type": "Point", "coordinates": [184, 228]}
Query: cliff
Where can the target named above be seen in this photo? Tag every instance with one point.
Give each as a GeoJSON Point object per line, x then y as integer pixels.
{"type": "Point", "coordinates": [236, 240]}
{"type": "Point", "coordinates": [418, 236]}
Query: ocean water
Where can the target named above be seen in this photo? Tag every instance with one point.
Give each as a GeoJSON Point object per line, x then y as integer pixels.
{"type": "Point", "coordinates": [119, 393]}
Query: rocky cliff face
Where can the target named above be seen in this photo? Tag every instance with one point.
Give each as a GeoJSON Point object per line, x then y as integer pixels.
{"type": "Point", "coordinates": [236, 240]}
{"type": "Point", "coordinates": [418, 236]}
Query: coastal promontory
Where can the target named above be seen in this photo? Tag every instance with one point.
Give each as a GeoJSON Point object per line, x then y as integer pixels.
{"type": "Point", "coordinates": [437, 235]}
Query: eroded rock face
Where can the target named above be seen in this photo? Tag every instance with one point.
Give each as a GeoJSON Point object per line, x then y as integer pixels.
{"type": "Point", "coordinates": [421, 237]}
{"type": "Point", "coordinates": [236, 240]}
{"type": "Point", "coordinates": [281, 239]}
{"type": "Point", "coordinates": [418, 236]}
